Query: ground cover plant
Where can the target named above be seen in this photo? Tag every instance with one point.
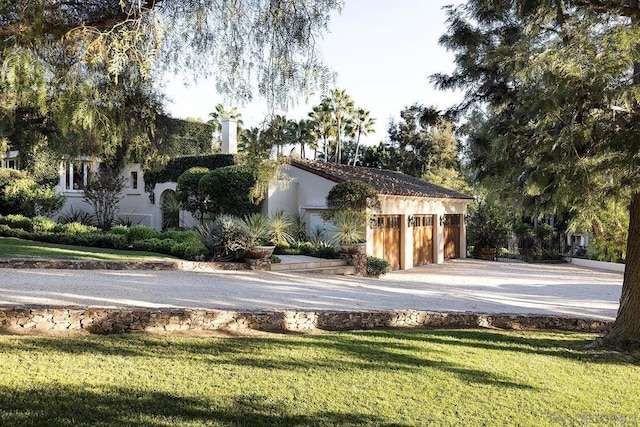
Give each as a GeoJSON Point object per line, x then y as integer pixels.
{"type": "Point", "coordinates": [445, 377]}
{"type": "Point", "coordinates": [18, 248]}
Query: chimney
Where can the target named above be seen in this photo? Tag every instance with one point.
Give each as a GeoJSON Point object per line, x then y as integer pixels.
{"type": "Point", "coordinates": [229, 136]}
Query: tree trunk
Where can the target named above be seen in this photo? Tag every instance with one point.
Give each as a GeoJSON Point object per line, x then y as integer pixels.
{"type": "Point", "coordinates": [626, 329]}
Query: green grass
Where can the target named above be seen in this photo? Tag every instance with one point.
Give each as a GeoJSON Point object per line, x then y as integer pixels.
{"type": "Point", "coordinates": [392, 378]}
{"type": "Point", "coordinates": [18, 248]}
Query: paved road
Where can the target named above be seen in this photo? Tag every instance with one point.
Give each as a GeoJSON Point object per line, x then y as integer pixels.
{"type": "Point", "coordinates": [460, 285]}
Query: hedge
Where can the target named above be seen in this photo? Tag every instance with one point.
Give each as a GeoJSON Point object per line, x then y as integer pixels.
{"type": "Point", "coordinates": [177, 166]}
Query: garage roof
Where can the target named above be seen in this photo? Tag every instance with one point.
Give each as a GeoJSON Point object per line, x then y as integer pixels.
{"type": "Point", "coordinates": [384, 181]}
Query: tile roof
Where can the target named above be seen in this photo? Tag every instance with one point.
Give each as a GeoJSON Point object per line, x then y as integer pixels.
{"type": "Point", "coordinates": [384, 181]}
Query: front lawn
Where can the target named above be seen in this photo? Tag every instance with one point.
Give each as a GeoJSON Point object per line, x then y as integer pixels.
{"type": "Point", "coordinates": [18, 248]}
{"type": "Point", "coordinates": [446, 377]}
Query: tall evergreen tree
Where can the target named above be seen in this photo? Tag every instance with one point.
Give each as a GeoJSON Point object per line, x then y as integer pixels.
{"type": "Point", "coordinates": [558, 83]}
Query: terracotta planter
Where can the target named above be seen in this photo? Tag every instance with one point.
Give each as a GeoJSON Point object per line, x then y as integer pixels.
{"type": "Point", "coordinates": [488, 253]}
{"type": "Point", "coordinates": [260, 252]}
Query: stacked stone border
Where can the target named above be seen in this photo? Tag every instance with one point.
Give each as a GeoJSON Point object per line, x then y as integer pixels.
{"type": "Point", "coordinates": [119, 265]}
{"type": "Point", "coordinates": [84, 320]}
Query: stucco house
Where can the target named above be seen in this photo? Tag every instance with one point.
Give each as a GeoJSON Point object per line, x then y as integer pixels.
{"type": "Point", "coordinates": [418, 223]}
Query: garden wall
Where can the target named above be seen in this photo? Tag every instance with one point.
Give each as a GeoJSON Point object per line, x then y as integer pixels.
{"type": "Point", "coordinates": [56, 321]}
{"type": "Point", "coordinates": [601, 265]}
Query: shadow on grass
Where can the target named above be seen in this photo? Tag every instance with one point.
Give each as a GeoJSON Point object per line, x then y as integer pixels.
{"type": "Point", "coordinates": [568, 345]}
{"type": "Point", "coordinates": [61, 406]}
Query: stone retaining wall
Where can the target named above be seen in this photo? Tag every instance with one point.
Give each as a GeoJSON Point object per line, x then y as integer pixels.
{"type": "Point", "coordinates": [119, 265]}
{"type": "Point", "coordinates": [52, 320]}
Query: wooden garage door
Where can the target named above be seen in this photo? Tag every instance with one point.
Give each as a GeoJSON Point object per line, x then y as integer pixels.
{"type": "Point", "coordinates": [422, 239]}
{"type": "Point", "coordinates": [386, 239]}
{"type": "Point", "coordinates": [451, 236]}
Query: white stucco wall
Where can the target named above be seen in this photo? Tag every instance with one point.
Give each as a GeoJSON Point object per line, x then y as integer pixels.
{"type": "Point", "coordinates": [137, 205]}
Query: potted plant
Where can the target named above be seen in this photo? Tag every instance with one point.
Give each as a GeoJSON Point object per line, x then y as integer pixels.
{"type": "Point", "coordinates": [258, 227]}
{"type": "Point", "coordinates": [349, 231]}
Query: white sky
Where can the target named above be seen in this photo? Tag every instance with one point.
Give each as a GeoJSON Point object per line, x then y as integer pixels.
{"type": "Point", "coordinates": [383, 52]}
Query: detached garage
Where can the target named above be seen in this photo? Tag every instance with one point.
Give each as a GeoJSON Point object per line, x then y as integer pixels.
{"type": "Point", "coordinates": [419, 223]}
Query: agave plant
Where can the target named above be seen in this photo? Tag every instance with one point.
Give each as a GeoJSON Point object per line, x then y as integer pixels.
{"type": "Point", "coordinates": [348, 228]}
{"type": "Point", "coordinates": [259, 228]}
{"type": "Point", "coordinates": [280, 224]}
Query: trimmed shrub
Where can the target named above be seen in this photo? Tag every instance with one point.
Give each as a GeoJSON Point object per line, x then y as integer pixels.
{"type": "Point", "coordinates": [227, 191]}
{"type": "Point", "coordinates": [180, 236]}
{"type": "Point", "coordinates": [141, 232]}
{"type": "Point", "coordinates": [162, 246]}
{"type": "Point", "coordinates": [177, 166]}
{"type": "Point", "coordinates": [377, 266]}
{"type": "Point", "coordinates": [119, 229]}
{"type": "Point", "coordinates": [17, 221]}
{"type": "Point", "coordinates": [188, 194]}
{"type": "Point", "coordinates": [193, 251]}
{"type": "Point", "coordinates": [353, 195]}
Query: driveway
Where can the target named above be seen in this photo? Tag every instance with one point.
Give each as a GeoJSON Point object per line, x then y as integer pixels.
{"type": "Point", "coordinates": [460, 285]}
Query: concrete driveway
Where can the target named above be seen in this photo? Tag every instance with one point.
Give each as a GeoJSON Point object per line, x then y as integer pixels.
{"type": "Point", "coordinates": [460, 285]}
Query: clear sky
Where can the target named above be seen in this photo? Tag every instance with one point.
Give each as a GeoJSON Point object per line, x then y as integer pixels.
{"type": "Point", "coordinates": [383, 52]}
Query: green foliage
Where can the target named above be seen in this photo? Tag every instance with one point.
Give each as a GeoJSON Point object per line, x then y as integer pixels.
{"type": "Point", "coordinates": [17, 222]}
{"type": "Point", "coordinates": [75, 215]}
{"type": "Point", "coordinates": [227, 191]}
{"type": "Point", "coordinates": [348, 228]}
{"type": "Point", "coordinates": [75, 228]}
{"type": "Point", "coordinates": [377, 266]}
{"type": "Point", "coordinates": [488, 226]}
{"type": "Point", "coordinates": [279, 226]}
{"type": "Point", "coordinates": [103, 193]}
{"type": "Point", "coordinates": [175, 167]}
{"type": "Point", "coordinates": [8, 176]}
{"type": "Point", "coordinates": [141, 232]}
{"type": "Point", "coordinates": [188, 192]}
{"type": "Point", "coordinates": [122, 230]}
{"type": "Point", "coordinates": [170, 209]}
{"type": "Point", "coordinates": [26, 196]}
{"type": "Point", "coordinates": [356, 196]}
{"type": "Point", "coordinates": [42, 224]}
{"type": "Point", "coordinates": [259, 228]}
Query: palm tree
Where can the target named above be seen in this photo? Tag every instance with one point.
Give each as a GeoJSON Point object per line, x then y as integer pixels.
{"type": "Point", "coordinates": [215, 122]}
{"type": "Point", "coordinates": [302, 132]}
{"type": "Point", "coordinates": [363, 126]}
{"type": "Point", "coordinates": [321, 120]}
{"type": "Point", "coordinates": [341, 107]}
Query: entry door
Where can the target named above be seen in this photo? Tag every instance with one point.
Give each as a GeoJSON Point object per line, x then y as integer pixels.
{"type": "Point", "coordinates": [386, 239]}
{"type": "Point", "coordinates": [422, 239]}
{"type": "Point", "coordinates": [451, 236]}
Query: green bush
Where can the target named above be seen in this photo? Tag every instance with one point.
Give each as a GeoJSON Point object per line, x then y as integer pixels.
{"type": "Point", "coordinates": [42, 224]}
{"type": "Point", "coordinates": [193, 251]}
{"type": "Point", "coordinates": [188, 194]}
{"type": "Point", "coordinates": [29, 198]}
{"type": "Point", "coordinates": [17, 221]}
{"type": "Point", "coordinates": [180, 236]}
{"type": "Point", "coordinates": [377, 266]}
{"type": "Point", "coordinates": [356, 196]}
{"type": "Point", "coordinates": [177, 166]}
{"type": "Point", "coordinates": [141, 232]}
{"type": "Point", "coordinates": [328, 252]}
{"type": "Point", "coordinates": [162, 246]}
{"type": "Point", "coordinates": [74, 228]}
{"type": "Point", "coordinates": [119, 229]}
{"type": "Point", "coordinates": [227, 191]}
{"type": "Point", "coordinates": [7, 176]}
